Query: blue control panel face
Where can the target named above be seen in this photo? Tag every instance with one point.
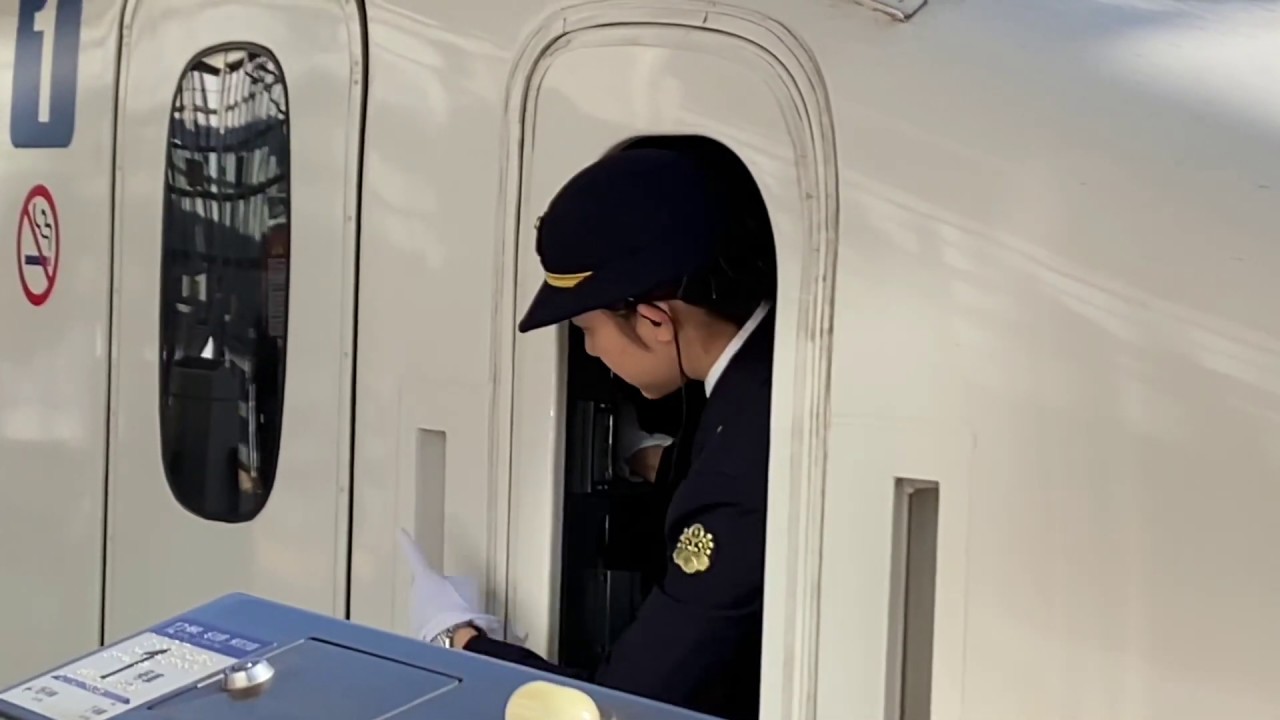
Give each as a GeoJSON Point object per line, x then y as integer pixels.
{"type": "Point", "coordinates": [187, 667]}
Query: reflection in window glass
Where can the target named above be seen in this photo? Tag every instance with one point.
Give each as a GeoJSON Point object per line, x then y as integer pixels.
{"type": "Point", "coordinates": [224, 287]}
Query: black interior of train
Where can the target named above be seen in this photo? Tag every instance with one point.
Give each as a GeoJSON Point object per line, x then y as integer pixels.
{"type": "Point", "coordinates": [613, 548]}
{"type": "Point", "coordinates": [612, 541]}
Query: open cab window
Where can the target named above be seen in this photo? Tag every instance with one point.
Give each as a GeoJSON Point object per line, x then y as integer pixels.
{"type": "Point", "coordinates": [582, 540]}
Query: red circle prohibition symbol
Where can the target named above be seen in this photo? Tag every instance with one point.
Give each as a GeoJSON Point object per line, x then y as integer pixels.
{"type": "Point", "coordinates": [40, 258]}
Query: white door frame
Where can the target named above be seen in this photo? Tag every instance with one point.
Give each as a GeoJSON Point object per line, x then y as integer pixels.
{"type": "Point", "coordinates": [795, 507]}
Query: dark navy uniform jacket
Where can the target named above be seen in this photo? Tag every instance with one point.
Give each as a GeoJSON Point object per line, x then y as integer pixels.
{"type": "Point", "coordinates": [696, 640]}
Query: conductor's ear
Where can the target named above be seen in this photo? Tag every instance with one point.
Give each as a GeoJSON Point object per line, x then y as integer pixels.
{"type": "Point", "coordinates": [659, 316]}
{"type": "Point", "coordinates": [650, 315]}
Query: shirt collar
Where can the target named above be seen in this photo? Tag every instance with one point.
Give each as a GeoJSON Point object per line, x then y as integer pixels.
{"type": "Point", "coordinates": [733, 347]}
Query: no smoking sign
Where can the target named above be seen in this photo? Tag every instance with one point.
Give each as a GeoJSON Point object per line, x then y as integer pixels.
{"type": "Point", "coordinates": [39, 245]}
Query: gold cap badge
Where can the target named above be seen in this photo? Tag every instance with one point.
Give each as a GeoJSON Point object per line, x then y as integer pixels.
{"type": "Point", "coordinates": [693, 550]}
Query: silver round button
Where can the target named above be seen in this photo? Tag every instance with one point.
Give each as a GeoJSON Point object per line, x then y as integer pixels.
{"type": "Point", "coordinates": [247, 675]}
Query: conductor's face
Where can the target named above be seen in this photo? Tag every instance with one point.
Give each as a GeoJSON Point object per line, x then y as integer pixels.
{"type": "Point", "coordinates": [638, 346]}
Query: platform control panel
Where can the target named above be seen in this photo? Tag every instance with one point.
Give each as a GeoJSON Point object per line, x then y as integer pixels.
{"type": "Point", "coordinates": [245, 657]}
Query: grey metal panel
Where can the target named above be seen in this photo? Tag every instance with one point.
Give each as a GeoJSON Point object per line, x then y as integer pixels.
{"type": "Point", "coordinates": [386, 675]}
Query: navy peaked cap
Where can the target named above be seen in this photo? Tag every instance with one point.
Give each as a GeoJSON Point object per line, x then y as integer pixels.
{"type": "Point", "coordinates": [625, 225]}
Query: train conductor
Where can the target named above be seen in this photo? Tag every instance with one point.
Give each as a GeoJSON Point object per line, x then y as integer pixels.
{"type": "Point", "coordinates": [638, 252]}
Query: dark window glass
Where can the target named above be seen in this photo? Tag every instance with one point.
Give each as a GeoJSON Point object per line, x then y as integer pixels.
{"type": "Point", "coordinates": [224, 285]}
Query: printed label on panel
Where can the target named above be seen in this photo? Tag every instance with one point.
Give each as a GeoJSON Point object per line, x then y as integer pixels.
{"type": "Point", "coordinates": [133, 672]}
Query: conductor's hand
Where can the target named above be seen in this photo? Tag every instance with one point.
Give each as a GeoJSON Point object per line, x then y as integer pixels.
{"type": "Point", "coordinates": [437, 603]}
{"type": "Point", "coordinates": [644, 462]}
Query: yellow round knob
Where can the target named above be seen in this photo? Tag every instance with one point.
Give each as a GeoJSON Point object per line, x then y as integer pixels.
{"type": "Point", "coordinates": [541, 700]}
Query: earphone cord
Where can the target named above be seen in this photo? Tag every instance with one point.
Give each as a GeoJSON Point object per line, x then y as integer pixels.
{"type": "Point", "coordinates": [684, 398]}
{"type": "Point", "coordinates": [684, 407]}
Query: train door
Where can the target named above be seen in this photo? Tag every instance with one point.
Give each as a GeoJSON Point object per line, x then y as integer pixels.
{"type": "Point", "coordinates": [56, 137]}
{"type": "Point", "coordinates": [230, 433]}
{"type": "Point", "coordinates": [596, 82]}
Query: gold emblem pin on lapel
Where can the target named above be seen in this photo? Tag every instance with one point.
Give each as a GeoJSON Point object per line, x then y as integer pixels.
{"type": "Point", "coordinates": [693, 550]}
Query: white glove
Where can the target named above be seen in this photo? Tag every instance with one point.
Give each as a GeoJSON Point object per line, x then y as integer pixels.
{"type": "Point", "coordinates": [629, 438]}
{"type": "Point", "coordinates": [437, 603]}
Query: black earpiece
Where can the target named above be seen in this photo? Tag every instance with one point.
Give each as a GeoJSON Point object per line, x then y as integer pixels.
{"type": "Point", "coordinates": [633, 305]}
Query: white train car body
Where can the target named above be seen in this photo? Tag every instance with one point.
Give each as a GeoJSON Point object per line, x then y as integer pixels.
{"type": "Point", "coordinates": [1026, 262]}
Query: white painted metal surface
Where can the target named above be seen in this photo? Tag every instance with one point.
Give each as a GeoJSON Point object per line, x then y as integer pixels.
{"type": "Point", "coordinates": [1053, 296]}
{"type": "Point", "coordinates": [427, 285]}
{"type": "Point", "coordinates": [53, 368]}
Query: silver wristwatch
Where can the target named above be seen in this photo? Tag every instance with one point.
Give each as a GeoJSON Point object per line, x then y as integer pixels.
{"type": "Point", "coordinates": [445, 637]}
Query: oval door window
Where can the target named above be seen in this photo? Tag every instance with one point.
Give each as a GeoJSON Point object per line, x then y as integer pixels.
{"type": "Point", "coordinates": [224, 286]}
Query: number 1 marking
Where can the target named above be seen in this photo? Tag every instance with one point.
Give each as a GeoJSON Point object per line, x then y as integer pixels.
{"type": "Point", "coordinates": [44, 22]}
{"type": "Point", "coordinates": [46, 65]}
